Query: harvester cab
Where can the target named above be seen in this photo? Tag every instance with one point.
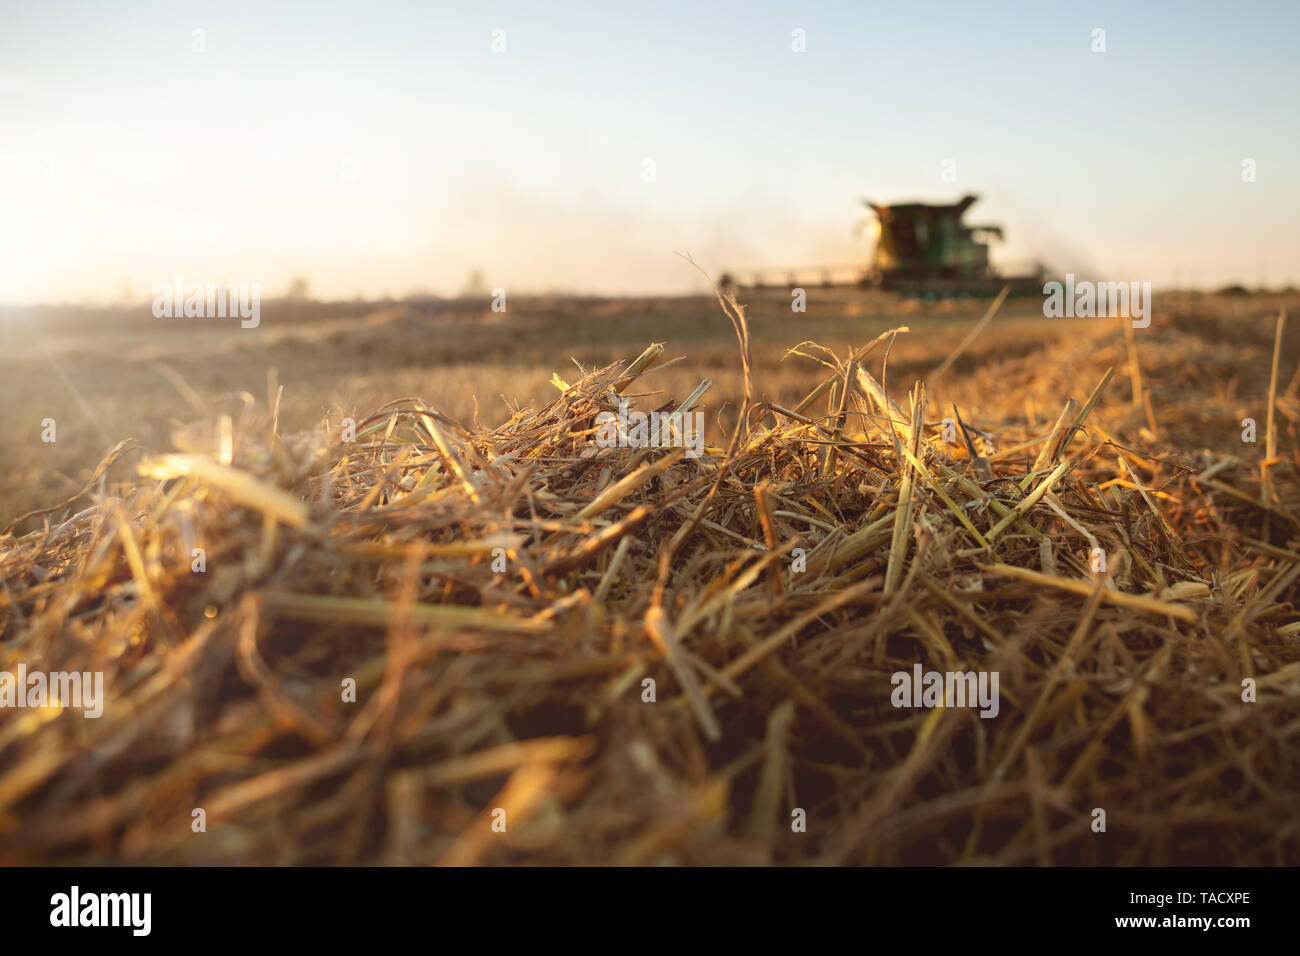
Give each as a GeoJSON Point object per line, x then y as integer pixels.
{"type": "Point", "coordinates": [920, 241]}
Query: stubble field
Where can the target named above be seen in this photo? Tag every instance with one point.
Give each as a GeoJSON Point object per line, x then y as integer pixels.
{"type": "Point", "coordinates": [770, 734]}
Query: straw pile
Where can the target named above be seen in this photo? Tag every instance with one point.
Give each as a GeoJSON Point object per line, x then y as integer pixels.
{"type": "Point", "coordinates": [500, 597]}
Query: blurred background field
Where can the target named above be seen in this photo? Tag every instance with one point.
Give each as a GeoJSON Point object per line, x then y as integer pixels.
{"type": "Point", "coordinates": [105, 375]}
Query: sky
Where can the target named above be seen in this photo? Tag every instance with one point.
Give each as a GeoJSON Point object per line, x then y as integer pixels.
{"type": "Point", "coordinates": [388, 148]}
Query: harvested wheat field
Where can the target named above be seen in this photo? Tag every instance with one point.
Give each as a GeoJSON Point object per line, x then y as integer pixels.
{"type": "Point", "coordinates": [632, 655]}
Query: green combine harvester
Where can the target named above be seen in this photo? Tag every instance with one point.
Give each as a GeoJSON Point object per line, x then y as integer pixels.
{"type": "Point", "coordinates": [924, 249]}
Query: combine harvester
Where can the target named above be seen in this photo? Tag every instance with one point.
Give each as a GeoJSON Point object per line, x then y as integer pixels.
{"type": "Point", "coordinates": [921, 249]}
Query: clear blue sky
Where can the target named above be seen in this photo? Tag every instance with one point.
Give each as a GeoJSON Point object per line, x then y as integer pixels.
{"type": "Point", "coordinates": [384, 147]}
